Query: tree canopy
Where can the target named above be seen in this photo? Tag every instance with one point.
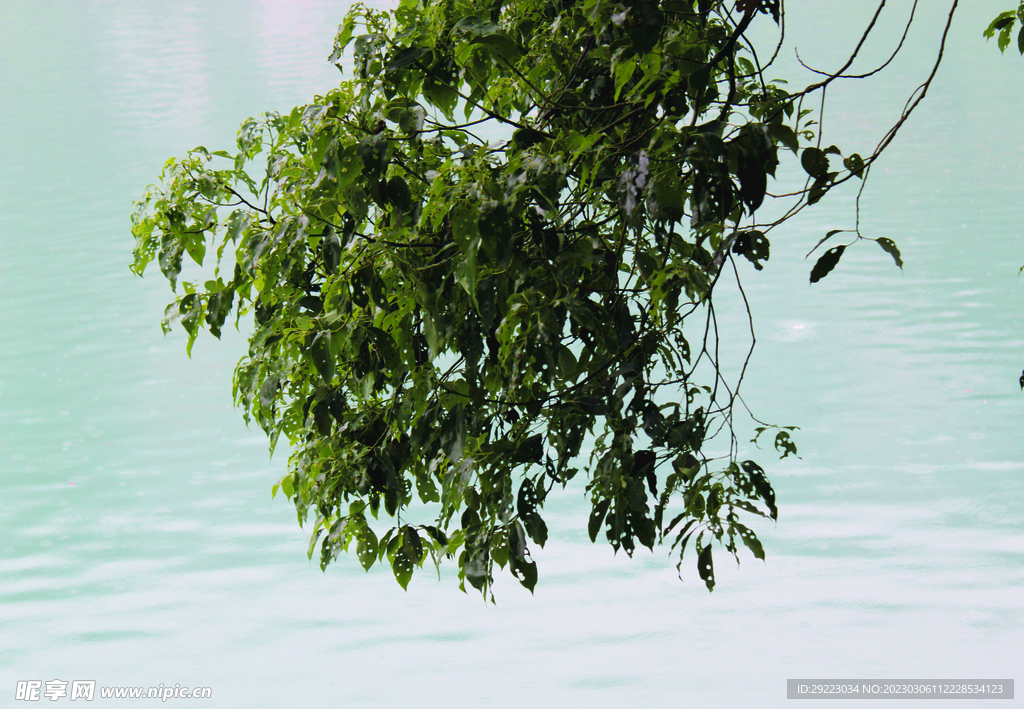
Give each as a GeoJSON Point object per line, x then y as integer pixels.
{"type": "Point", "coordinates": [485, 265]}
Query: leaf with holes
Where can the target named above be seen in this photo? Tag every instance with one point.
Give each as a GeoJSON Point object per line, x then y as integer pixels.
{"type": "Point", "coordinates": [826, 263]}
{"type": "Point", "coordinates": [366, 548]}
{"type": "Point", "coordinates": [889, 246]}
{"type": "Point", "coordinates": [402, 566]}
{"type": "Point", "coordinates": [706, 567]}
{"type": "Point", "coordinates": [750, 540]}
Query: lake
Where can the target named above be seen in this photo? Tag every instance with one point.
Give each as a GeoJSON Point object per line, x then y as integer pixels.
{"type": "Point", "coordinates": [139, 544]}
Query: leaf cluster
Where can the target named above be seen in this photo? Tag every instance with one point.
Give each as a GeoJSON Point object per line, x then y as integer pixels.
{"type": "Point", "coordinates": [1004, 24]}
{"type": "Point", "coordinates": [484, 266]}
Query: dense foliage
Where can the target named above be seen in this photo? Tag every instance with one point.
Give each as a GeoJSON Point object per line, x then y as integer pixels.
{"type": "Point", "coordinates": [485, 266]}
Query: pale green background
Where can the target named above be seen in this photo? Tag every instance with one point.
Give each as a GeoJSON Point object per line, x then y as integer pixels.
{"type": "Point", "coordinates": [138, 541]}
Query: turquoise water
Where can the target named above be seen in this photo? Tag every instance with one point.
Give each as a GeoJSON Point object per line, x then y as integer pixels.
{"type": "Point", "coordinates": [138, 541]}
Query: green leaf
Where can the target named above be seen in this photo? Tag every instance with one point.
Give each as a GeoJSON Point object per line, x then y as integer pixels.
{"type": "Point", "coordinates": [750, 540]}
{"type": "Point", "coordinates": [754, 246]}
{"type": "Point", "coordinates": [403, 58]}
{"type": "Point", "coordinates": [645, 25]}
{"type": "Point", "coordinates": [855, 164]}
{"type": "Point", "coordinates": [402, 567]}
{"type": "Point", "coordinates": [500, 548]}
{"type": "Point", "coordinates": [669, 193]}
{"type": "Point", "coordinates": [268, 392]}
{"type": "Point", "coordinates": [367, 547]}
{"type": "Point", "coordinates": [412, 545]}
{"type": "Point", "coordinates": [441, 94]}
{"type": "Point", "coordinates": [814, 162]}
{"type": "Point", "coordinates": [313, 538]}
{"type": "Point", "coordinates": [342, 39]}
{"type": "Point", "coordinates": [1004, 37]}
{"type": "Point", "coordinates": [517, 542]}
{"type": "Point", "coordinates": [529, 451]}
{"type": "Point", "coordinates": [332, 253]}
{"type": "Point", "coordinates": [411, 119]}
{"type": "Point", "coordinates": [753, 179]}
{"type": "Point", "coordinates": [473, 26]}
{"type": "Point", "coordinates": [525, 138]}
{"type": "Point", "coordinates": [568, 366]}
{"type": "Point", "coordinates": [438, 537]}
{"type": "Point", "coordinates": [706, 567]}
{"type": "Point", "coordinates": [1002, 21]}
{"type": "Point", "coordinates": [501, 45]}
{"type": "Point", "coordinates": [495, 232]}
{"type": "Point", "coordinates": [426, 488]}
{"type": "Point", "coordinates": [474, 566]}
{"type": "Point", "coordinates": [825, 238]}
{"type": "Point", "coordinates": [761, 485]}
{"type": "Point", "coordinates": [217, 308]}
{"type": "Point", "coordinates": [527, 505]}
{"type": "Point", "coordinates": [889, 246]}
{"type": "Point", "coordinates": [784, 444]}
{"type": "Point", "coordinates": [322, 419]}
{"type": "Point", "coordinates": [526, 572]}
{"type": "Point", "coordinates": [195, 246]}
{"type": "Point", "coordinates": [464, 219]}
{"type": "Point", "coordinates": [388, 544]}
{"type": "Point", "coordinates": [399, 194]}
{"type": "Point", "coordinates": [323, 359]}
{"type": "Point", "coordinates": [597, 518]}
{"type": "Point", "coordinates": [347, 165]}
{"type": "Point", "coordinates": [623, 73]}
{"type": "Point", "coordinates": [522, 567]}
{"type": "Point", "coordinates": [785, 135]}
{"type": "Point", "coordinates": [826, 263]}
{"type": "Point", "coordinates": [817, 191]}
{"type": "Point", "coordinates": [579, 143]}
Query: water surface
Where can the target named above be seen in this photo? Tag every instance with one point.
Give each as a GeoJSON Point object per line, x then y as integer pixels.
{"type": "Point", "coordinates": [138, 541]}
